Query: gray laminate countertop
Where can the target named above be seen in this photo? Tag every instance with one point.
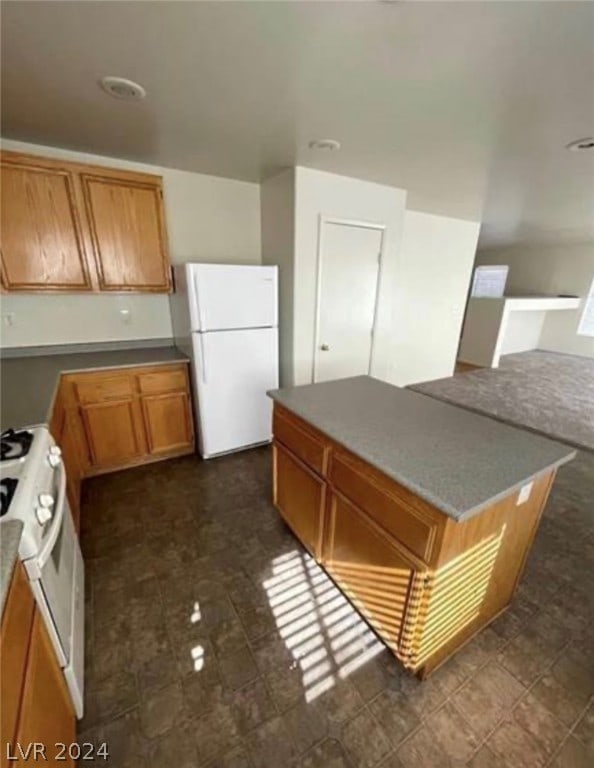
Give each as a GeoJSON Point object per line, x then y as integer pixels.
{"type": "Point", "coordinates": [454, 459]}
{"type": "Point", "coordinates": [10, 537]}
{"type": "Point", "coordinates": [28, 383]}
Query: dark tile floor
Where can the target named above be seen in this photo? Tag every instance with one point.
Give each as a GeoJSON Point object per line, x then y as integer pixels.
{"type": "Point", "coordinates": [214, 640]}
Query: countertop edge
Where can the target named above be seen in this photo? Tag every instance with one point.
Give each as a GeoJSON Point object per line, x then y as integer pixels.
{"type": "Point", "coordinates": [10, 537]}
{"type": "Point", "coordinates": [459, 516]}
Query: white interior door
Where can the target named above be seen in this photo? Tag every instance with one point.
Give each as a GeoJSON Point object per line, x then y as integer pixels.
{"type": "Point", "coordinates": [349, 270]}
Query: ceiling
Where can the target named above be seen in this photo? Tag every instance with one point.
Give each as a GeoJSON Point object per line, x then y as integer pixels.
{"type": "Point", "coordinates": [468, 106]}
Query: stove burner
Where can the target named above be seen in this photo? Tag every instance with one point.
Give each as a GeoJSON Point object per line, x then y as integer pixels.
{"type": "Point", "coordinates": [15, 445]}
{"type": "Point", "coordinates": [7, 488]}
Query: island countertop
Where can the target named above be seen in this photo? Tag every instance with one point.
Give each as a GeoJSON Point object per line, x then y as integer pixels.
{"type": "Point", "coordinates": [458, 461]}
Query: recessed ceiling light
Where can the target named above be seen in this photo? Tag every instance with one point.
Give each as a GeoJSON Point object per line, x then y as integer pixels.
{"type": "Point", "coordinates": [121, 88]}
{"type": "Point", "coordinates": [579, 144]}
{"type": "Point", "coordinates": [329, 144]}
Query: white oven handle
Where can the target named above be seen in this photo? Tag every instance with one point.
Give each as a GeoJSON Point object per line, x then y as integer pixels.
{"type": "Point", "coordinates": [60, 508]}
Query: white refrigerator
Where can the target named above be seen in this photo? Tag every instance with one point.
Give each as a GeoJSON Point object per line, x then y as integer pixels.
{"type": "Point", "coordinates": [225, 317]}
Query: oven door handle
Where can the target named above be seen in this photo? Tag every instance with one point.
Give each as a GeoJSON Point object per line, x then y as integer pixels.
{"type": "Point", "coordinates": [60, 509]}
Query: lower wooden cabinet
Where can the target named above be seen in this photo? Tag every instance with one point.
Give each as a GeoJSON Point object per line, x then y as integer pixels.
{"type": "Point", "coordinates": [109, 420]}
{"type": "Point", "coordinates": [131, 415]}
{"type": "Point", "coordinates": [36, 705]}
{"type": "Point", "coordinates": [112, 433]}
{"type": "Point", "coordinates": [167, 421]}
{"type": "Point", "coordinates": [299, 495]}
{"type": "Point", "coordinates": [369, 566]}
{"type": "Point", "coordinates": [17, 620]}
{"type": "Point", "coordinates": [46, 714]}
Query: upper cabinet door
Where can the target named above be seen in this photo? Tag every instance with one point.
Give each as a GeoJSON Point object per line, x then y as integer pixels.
{"type": "Point", "coordinates": [41, 238]}
{"type": "Point", "coordinates": [127, 228]}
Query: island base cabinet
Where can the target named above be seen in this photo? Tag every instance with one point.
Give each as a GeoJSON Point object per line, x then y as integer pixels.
{"type": "Point", "coordinates": [424, 581]}
{"type": "Point", "coordinates": [299, 496]}
{"type": "Point", "coordinates": [369, 567]}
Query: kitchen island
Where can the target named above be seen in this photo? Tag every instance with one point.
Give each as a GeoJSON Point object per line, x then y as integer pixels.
{"type": "Point", "coordinates": [423, 513]}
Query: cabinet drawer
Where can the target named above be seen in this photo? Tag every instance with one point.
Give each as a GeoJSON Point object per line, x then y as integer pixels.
{"type": "Point", "coordinates": [391, 512]}
{"type": "Point", "coordinates": [163, 381]}
{"type": "Point", "coordinates": [96, 389]}
{"type": "Point", "coordinates": [301, 442]}
{"type": "Point", "coordinates": [299, 496]}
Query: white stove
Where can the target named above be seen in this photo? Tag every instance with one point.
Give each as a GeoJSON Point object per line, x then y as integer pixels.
{"type": "Point", "coordinates": [33, 490]}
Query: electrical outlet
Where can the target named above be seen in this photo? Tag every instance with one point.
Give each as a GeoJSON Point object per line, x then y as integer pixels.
{"type": "Point", "coordinates": [524, 494]}
{"type": "Point", "coordinates": [8, 319]}
{"type": "Point", "coordinates": [126, 316]}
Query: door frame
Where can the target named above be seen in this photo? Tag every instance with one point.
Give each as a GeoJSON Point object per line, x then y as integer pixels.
{"type": "Point", "coordinates": [359, 224]}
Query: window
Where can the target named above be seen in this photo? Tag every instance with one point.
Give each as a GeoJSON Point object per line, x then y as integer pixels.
{"type": "Point", "coordinates": [586, 326]}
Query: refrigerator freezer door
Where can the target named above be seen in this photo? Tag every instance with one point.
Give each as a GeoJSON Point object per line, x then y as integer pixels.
{"type": "Point", "coordinates": [225, 297]}
{"type": "Point", "coordinates": [234, 369]}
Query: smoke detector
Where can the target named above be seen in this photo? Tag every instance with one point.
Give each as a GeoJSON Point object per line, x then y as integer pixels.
{"type": "Point", "coordinates": [327, 144]}
{"type": "Point", "coordinates": [121, 88]}
{"type": "Point", "coordinates": [581, 144]}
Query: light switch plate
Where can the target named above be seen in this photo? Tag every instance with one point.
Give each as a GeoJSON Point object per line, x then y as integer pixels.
{"type": "Point", "coordinates": [524, 494]}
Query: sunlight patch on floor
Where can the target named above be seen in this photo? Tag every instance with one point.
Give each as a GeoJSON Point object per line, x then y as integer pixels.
{"type": "Point", "coordinates": [327, 638]}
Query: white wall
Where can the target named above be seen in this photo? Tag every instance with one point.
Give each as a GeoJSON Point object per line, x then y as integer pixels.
{"type": "Point", "coordinates": [522, 331]}
{"type": "Point", "coordinates": [433, 272]}
{"type": "Point", "coordinates": [318, 193]}
{"type": "Point", "coordinates": [551, 270]}
{"type": "Point", "coordinates": [208, 219]}
{"type": "Point", "coordinates": [277, 196]}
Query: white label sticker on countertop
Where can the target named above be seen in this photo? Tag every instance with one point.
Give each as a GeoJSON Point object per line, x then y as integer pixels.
{"type": "Point", "coordinates": [525, 492]}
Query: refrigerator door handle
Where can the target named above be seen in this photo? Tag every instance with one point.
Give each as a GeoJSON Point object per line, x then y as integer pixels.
{"type": "Point", "coordinates": [203, 356]}
{"type": "Point", "coordinates": [197, 301]}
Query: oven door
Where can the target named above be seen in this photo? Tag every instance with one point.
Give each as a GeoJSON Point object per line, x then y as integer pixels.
{"type": "Point", "coordinates": [52, 571]}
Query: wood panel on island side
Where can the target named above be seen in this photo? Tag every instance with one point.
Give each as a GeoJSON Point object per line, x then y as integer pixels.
{"type": "Point", "coordinates": [424, 581]}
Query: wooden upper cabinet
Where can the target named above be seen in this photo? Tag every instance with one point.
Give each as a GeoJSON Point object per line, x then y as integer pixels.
{"type": "Point", "coordinates": [41, 235]}
{"type": "Point", "coordinates": [128, 233]}
{"type": "Point", "coordinates": [73, 227]}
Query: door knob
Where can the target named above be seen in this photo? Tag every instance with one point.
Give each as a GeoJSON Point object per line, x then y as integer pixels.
{"type": "Point", "coordinates": [325, 348]}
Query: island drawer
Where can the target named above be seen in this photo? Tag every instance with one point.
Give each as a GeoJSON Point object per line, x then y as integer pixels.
{"type": "Point", "coordinates": [385, 502]}
{"type": "Point", "coordinates": [292, 433]}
